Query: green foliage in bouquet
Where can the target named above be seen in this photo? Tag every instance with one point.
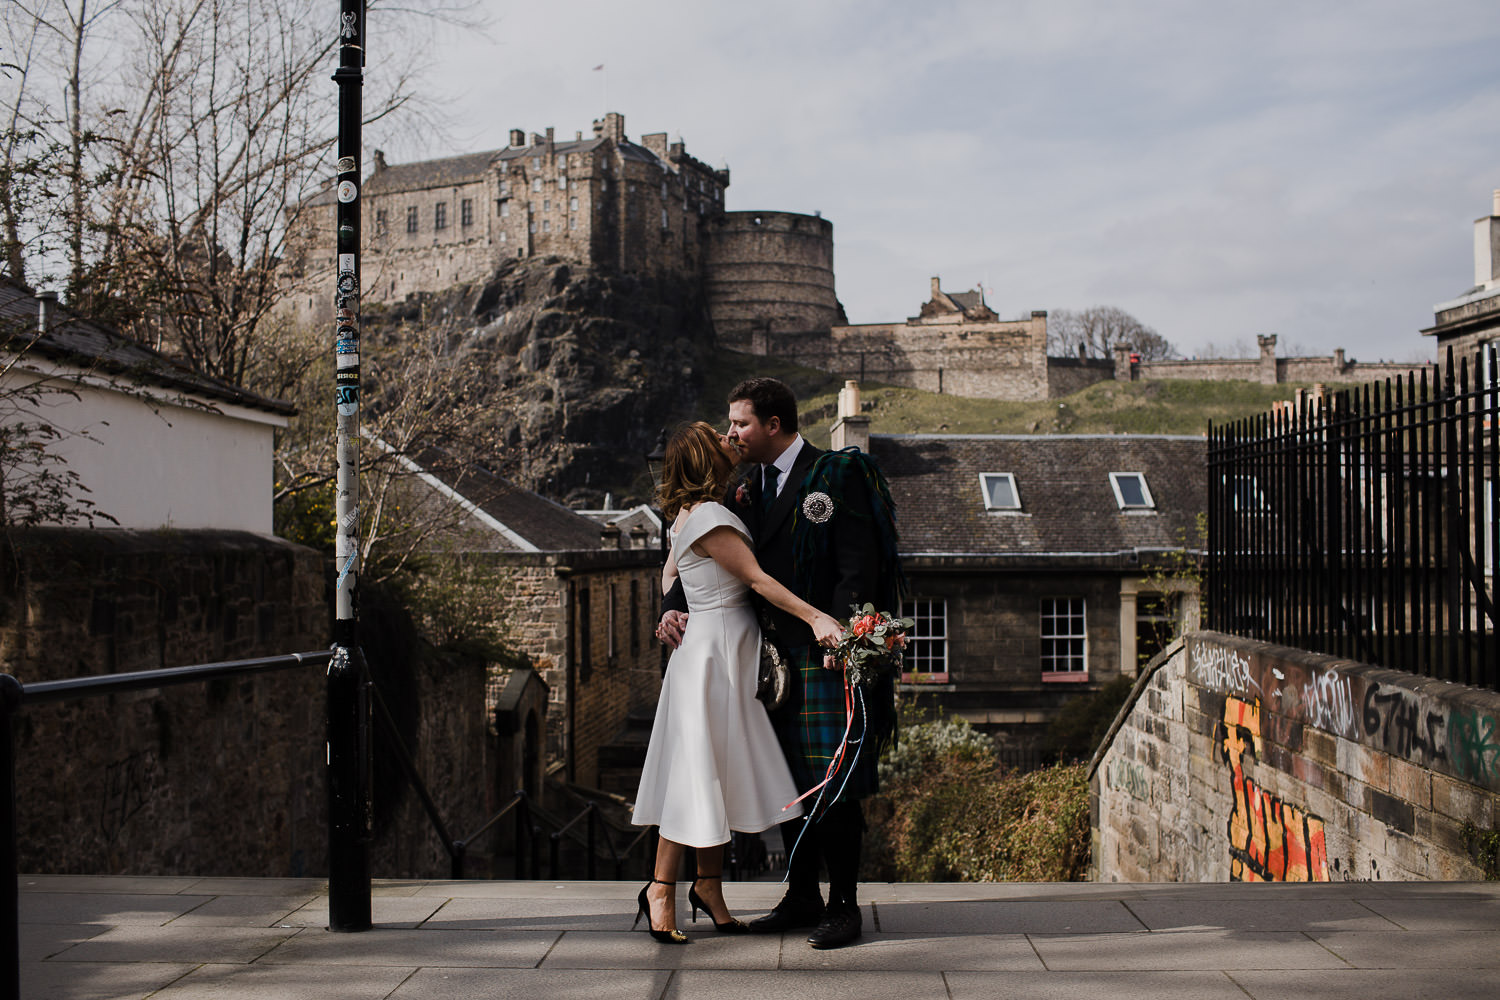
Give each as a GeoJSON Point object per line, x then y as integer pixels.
{"type": "Point", "coordinates": [872, 645]}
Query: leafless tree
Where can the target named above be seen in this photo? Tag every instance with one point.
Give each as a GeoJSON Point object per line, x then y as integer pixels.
{"type": "Point", "coordinates": [1095, 331]}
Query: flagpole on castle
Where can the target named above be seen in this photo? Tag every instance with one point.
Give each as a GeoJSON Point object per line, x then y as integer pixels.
{"type": "Point", "coordinates": [348, 777]}
{"type": "Point", "coordinates": [603, 88]}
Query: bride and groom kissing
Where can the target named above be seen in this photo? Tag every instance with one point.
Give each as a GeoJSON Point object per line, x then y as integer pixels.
{"type": "Point", "coordinates": [801, 536]}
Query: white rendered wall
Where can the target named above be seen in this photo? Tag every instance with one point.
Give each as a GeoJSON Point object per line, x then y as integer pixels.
{"type": "Point", "coordinates": [152, 463]}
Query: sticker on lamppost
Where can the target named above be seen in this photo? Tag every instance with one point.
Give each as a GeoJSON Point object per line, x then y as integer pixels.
{"type": "Point", "coordinates": [346, 263]}
{"type": "Point", "coordinates": [348, 191]}
{"type": "Point", "coordinates": [347, 164]}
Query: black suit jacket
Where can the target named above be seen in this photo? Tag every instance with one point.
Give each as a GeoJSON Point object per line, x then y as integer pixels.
{"type": "Point", "coordinates": [847, 578]}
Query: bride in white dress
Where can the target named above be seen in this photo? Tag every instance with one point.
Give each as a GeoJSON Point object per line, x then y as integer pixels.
{"type": "Point", "coordinates": [713, 764]}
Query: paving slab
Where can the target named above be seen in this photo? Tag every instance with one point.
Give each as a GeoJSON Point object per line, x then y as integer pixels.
{"type": "Point", "coordinates": [97, 981]}
{"type": "Point", "coordinates": [133, 884]}
{"type": "Point", "coordinates": [1114, 985]}
{"type": "Point", "coordinates": [145, 943]}
{"type": "Point", "coordinates": [535, 914]}
{"type": "Point", "coordinates": [258, 887]}
{"type": "Point", "coordinates": [414, 948]}
{"type": "Point", "coordinates": [1416, 949]}
{"type": "Point", "coordinates": [385, 911]}
{"type": "Point", "coordinates": [1451, 913]}
{"type": "Point", "coordinates": [551, 984]}
{"type": "Point", "coordinates": [106, 908]}
{"type": "Point", "coordinates": [1007, 917]}
{"type": "Point", "coordinates": [1183, 951]}
{"type": "Point", "coordinates": [1363, 984]}
{"type": "Point", "coordinates": [39, 941]}
{"type": "Point", "coordinates": [248, 911]}
{"type": "Point", "coordinates": [284, 982]}
{"type": "Point", "coordinates": [1273, 914]}
{"type": "Point", "coordinates": [637, 950]}
{"type": "Point", "coordinates": [784, 985]}
{"type": "Point", "coordinates": [916, 953]}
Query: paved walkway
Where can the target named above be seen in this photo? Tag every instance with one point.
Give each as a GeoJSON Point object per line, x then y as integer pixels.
{"type": "Point", "coordinates": [263, 938]}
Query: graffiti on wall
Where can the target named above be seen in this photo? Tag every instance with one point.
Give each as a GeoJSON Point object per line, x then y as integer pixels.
{"type": "Point", "coordinates": [1269, 840]}
{"type": "Point", "coordinates": [1221, 668]}
{"type": "Point", "coordinates": [1398, 722]}
{"type": "Point", "coordinates": [1129, 778]}
{"type": "Point", "coordinates": [1473, 746]}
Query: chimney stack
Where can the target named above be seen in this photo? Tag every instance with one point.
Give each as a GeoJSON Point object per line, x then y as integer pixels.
{"type": "Point", "coordinates": [517, 138]}
{"type": "Point", "coordinates": [1487, 246]}
{"type": "Point", "coordinates": [46, 305]}
{"type": "Point", "coordinates": [852, 427]}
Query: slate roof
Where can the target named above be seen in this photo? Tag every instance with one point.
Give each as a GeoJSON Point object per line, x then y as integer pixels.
{"type": "Point", "coordinates": [966, 301]}
{"type": "Point", "coordinates": [537, 522]}
{"type": "Point", "coordinates": [79, 342]}
{"type": "Point", "coordinates": [1068, 508]}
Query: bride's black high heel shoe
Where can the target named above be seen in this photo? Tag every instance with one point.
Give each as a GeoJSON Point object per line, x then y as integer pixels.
{"type": "Point", "coordinates": [730, 926]}
{"type": "Point", "coordinates": [673, 936]}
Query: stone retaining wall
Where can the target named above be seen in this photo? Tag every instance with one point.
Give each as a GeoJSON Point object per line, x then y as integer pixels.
{"type": "Point", "coordinates": [1240, 760]}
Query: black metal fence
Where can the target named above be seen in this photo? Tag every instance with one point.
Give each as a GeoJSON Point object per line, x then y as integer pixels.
{"type": "Point", "coordinates": [1361, 524]}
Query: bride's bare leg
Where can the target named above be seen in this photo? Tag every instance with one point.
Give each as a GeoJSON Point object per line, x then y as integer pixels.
{"type": "Point", "coordinates": [710, 884]}
{"type": "Point", "coordinates": [663, 898]}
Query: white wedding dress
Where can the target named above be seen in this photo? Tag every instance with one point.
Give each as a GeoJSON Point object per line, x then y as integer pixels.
{"type": "Point", "coordinates": [713, 764]}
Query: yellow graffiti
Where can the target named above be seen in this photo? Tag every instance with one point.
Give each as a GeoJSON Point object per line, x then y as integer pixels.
{"type": "Point", "coordinates": [1269, 841]}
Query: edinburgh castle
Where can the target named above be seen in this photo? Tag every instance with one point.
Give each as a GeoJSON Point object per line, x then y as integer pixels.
{"type": "Point", "coordinates": [767, 277]}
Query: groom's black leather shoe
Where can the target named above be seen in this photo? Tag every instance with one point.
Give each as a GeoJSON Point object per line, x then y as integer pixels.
{"type": "Point", "coordinates": [841, 925]}
{"type": "Point", "coordinates": [792, 913]}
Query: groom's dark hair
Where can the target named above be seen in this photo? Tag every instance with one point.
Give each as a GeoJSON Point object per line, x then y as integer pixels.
{"type": "Point", "coordinates": [768, 398]}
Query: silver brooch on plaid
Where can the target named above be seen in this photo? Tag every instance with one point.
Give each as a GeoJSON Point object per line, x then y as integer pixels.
{"type": "Point", "coordinates": [817, 507]}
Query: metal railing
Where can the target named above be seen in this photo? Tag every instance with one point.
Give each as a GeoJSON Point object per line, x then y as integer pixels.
{"type": "Point", "coordinates": [14, 696]}
{"type": "Point", "coordinates": [1363, 525]}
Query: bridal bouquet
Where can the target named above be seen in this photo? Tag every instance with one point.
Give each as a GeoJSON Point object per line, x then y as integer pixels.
{"type": "Point", "coordinates": [872, 645]}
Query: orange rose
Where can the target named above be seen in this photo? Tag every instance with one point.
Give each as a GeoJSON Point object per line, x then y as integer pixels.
{"type": "Point", "coordinates": [863, 626]}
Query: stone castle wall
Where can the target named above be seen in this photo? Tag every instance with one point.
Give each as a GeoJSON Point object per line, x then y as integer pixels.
{"type": "Point", "coordinates": [1246, 761]}
{"type": "Point", "coordinates": [769, 273]}
{"type": "Point", "coordinates": [999, 360]}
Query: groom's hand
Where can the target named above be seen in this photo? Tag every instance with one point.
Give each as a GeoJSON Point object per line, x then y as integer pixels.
{"type": "Point", "coordinates": [669, 629]}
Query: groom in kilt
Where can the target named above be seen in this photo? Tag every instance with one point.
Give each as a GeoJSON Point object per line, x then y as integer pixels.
{"type": "Point", "coordinates": [823, 526]}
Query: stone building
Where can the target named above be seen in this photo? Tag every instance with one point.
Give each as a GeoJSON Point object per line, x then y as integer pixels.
{"type": "Point", "coordinates": [603, 200]}
{"type": "Point", "coordinates": [1036, 564]}
{"type": "Point", "coordinates": [581, 604]}
{"type": "Point", "coordinates": [1471, 322]}
{"type": "Point", "coordinates": [1267, 368]}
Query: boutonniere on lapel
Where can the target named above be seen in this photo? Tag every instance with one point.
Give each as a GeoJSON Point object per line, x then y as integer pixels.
{"type": "Point", "coordinates": [742, 491]}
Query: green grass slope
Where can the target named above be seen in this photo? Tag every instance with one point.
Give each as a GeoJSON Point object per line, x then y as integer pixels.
{"type": "Point", "coordinates": [1165, 407]}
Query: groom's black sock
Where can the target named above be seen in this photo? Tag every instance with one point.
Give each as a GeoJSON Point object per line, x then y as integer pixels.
{"type": "Point", "coordinates": [840, 836]}
{"type": "Point", "coordinates": [802, 863]}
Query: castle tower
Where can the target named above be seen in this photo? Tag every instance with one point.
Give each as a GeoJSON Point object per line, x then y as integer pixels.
{"type": "Point", "coordinates": [770, 272]}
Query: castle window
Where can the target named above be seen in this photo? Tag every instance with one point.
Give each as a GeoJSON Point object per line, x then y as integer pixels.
{"type": "Point", "coordinates": [504, 209]}
{"type": "Point", "coordinates": [604, 184]}
{"type": "Point", "coordinates": [533, 225]}
{"type": "Point", "coordinates": [664, 190]}
{"type": "Point", "coordinates": [562, 183]}
{"type": "Point", "coordinates": [562, 161]}
{"type": "Point", "coordinates": [466, 212]}
{"type": "Point", "coordinates": [536, 184]}
{"type": "Point", "coordinates": [504, 188]}
{"type": "Point", "coordinates": [546, 204]}
{"type": "Point", "coordinates": [501, 237]}
{"type": "Point", "coordinates": [999, 491]}
{"type": "Point", "coordinates": [440, 215]}
{"type": "Point", "coordinates": [411, 218]}
{"type": "Point", "coordinates": [664, 218]}
{"type": "Point", "coordinates": [572, 204]}
{"type": "Point", "coordinates": [572, 222]}
{"type": "Point", "coordinates": [381, 222]}
{"type": "Point", "coordinates": [536, 163]}
{"type": "Point", "coordinates": [546, 225]}
{"type": "Point", "coordinates": [1131, 491]}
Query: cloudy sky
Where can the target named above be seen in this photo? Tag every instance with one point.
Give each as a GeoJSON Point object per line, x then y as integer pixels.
{"type": "Point", "coordinates": [1310, 169]}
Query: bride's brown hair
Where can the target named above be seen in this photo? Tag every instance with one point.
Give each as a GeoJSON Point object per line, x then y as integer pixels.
{"type": "Point", "coordinates": [696, 468]}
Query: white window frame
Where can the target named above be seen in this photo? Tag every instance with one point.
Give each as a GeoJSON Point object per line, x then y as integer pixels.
{"type": "Point", "coordinates": [931, 615]}
{"type": "Point", "coordinates": [1049, 634]}
{"type": "Point", "coordinates": [1114, 483]}
{"type": "Point", "coordinates": [984, 489]}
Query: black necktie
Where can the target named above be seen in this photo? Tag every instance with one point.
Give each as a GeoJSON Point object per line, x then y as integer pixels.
{"type": "Point", "coordinates": [768, 488]}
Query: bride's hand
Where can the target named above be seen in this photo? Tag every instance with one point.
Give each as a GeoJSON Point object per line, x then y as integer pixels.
{"type": "Point", "coordinates": [826, 629]}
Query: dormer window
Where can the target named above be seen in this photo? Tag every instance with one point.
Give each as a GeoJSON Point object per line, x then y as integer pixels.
{"type": "Point", "coordinates": [999, 491]}
{"type": "Point", "coordinates": [1131, 491]}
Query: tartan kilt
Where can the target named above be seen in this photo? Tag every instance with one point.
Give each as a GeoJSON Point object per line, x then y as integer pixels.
{"type": "Point", "coordinates": [810, 727]}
